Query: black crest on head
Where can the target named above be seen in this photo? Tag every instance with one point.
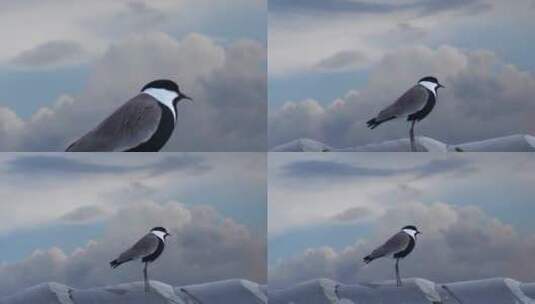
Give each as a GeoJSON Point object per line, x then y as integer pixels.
{"type": "Point", "coordinates": [161, 229]}
{"type": "Point", "coordinates": [162, 84]}
{"type": "Point", "coordinates": [430, 79]}
{"type": "Point", "coordinates": [410, 227]}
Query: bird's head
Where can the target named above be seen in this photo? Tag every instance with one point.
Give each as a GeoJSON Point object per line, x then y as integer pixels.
{"type": "Point", "coordinates": [411, 230]}
{"type": "Point", "coordinates": [169, 88]}
{"type": "Point", "coordinates": [160, 232]}
{"type": "Point", "coordinates": [431, 83]}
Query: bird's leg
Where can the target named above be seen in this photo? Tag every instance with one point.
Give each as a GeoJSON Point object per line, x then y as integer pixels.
{"type": "Point", "coordinates": [146, 278]}
{"type": "Point", "coordinates": [398, 278]}
{"type": "Point", "coordinates": [413, 145]}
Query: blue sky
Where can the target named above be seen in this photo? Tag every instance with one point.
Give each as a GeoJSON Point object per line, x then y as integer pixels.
{"type": "Point", "coordinates": [322, 50]}
{"type": "Point", "coordinates": [45, 188]}
{"type": "Point", "coordinates": [223, 22]}
{"type": "Point", "coordinates": [493, 28]}
{"type": "Point", "coordinates": [309, 193]}
{"type": "Point", "coordinates": [71, 59]}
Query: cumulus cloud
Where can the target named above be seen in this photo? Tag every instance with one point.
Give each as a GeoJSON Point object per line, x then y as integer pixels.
{"type": "Point", "coordinates": [205, 246]}
{"type": "Point", "coordinates": [352, 214]}
{"type": "Point", "coordinates": [84, 214]}
{"type": "Point", "coordinates": [458, 243]}
{"type": "Point", "coordinates": [227, 83]}
{"type": "Point", "coordinates": [51, 54]}
{"type": "Point", "coordinates": [485, 97]}
{"type": "Point", "coordinates": [343, 60]}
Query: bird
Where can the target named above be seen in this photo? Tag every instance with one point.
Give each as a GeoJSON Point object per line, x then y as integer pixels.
{"type": "Point", "coordinates": [398, 247]}
{"type": "Point", "coordinates": [148, 249]}
{"type": "Point", "coordinates": [143, 124]}
{"type": "Point", "coordinates": [415, 104]}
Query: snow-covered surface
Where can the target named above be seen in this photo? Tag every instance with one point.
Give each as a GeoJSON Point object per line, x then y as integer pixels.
{"type": "Point", "coordinates": [302, 145]}
{"type": "Point", "coordinates": [231, 291]}
{"type": "Point", "coordinates": [512, 143]}
{"type": "Point", "coordinates": [413, 291]}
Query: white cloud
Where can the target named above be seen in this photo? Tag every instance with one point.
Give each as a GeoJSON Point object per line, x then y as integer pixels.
{"type": "Point", "coordinates": [61, 184]}
{"type": "Point", "coordinates": [228, 85]}
{"type": "Point", "coordinates": [205, 246]}
{"type": "Point", "coordinates": [458, 243]}
{"type": "Point", "coordinates": [484, 97]}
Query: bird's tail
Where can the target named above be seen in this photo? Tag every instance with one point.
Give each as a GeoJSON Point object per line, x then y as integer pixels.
{"type": "Point", "coordinates": [368, 259]}
{"type": "Point", "coordinates": [114, 264]}
{"type": "Point", "coordinates": [374, 122]}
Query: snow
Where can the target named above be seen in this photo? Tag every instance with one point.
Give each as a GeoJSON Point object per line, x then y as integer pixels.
{"type": "Point", "coordinates": [413, 291]}
{"type": "Point", "coordinates": [512, 143]}
{"type": "Point", "coordinates": [230, 291]}
{"type": "Point", "coordinates": [302, 145]}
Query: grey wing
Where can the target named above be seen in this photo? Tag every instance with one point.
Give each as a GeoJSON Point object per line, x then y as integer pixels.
{"type": "Point", "coordinates": [395, 244]}
{"type": "Point", "coordinates": [412, 101]}
{"type": "Point", "coordinates": [145, 246]}
{"type": "Point", "coordinates": [130, 125]}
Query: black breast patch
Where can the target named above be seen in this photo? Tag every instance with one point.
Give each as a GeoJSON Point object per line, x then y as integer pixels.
{"type": "Point", "coordinates": [151, 257]}
{"type": "Point", "coordinates": [429, 105]}
{"type": "Point", "coordinates": [406, 251]}
{"type": "Point", "coordinates": [162, 134]}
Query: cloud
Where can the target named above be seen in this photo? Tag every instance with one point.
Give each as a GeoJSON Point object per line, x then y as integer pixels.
{"type": "Point", "coordinates": [343, 60]}
{"type": "Point", "coordinates": [205, 246]}
{"type": "Point", "coordinates": [426, 7]}
{"type": "Point", "coordinates": [334, 169]}
{"type": "Point", "coordinates": [450, 249]}
{"type": "Point", "coordinates": [227, 83]}
{"type": "Point", "coordinates": [485, 97]}
{"type": "Point", "coordinates": [52, 164]}
{"type": "Point", "coordinates": [84, 214]}
{"type": "Point", "coordinates": [51, 54]}
{"type": "Point", "coordinates": [352, 214]}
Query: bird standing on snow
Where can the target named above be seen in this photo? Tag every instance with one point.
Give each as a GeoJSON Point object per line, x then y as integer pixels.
{"type": "Point", "coordinates": [148, 249]}
{"type": "Point", "coordinates": [398, 247]}
{"type": "Point", "coordinates": [142, 124]}
{"type": "Point", "coordinates": [415, 104]}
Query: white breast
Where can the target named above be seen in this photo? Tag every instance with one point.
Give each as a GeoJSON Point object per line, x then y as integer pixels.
{"type": "Point", "coordinates": [163, 96]}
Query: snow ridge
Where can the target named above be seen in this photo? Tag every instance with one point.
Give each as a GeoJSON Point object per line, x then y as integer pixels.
{"type": "Point", "coordinates": [230, 291]}
{"type": "Point", "coordinates": [413, 291]}
{"type": "Point", "coordinates": [511, 143]}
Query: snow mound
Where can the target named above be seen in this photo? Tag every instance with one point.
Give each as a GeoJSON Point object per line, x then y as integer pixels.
{"type": "Point", "coordinates": [231, 291]}
{"type": "Point", "coordinates": [413, 291]}
{"type": "Point", "coordinates": [302, 145]}
{"type": "Point", "coordinates": [240, 291]}
{"type": "Point", "coordinates": [512, 143]}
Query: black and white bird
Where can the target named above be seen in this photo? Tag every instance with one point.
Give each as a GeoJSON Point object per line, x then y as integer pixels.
{"type": "Point", "coordinates": [415, 105]}
{"type": "Point", "coordinates": [143, 124]}
{"type": "Point", "coordinates": [398, 246]}
{"type": "Point", "coordinates": [148, 249]}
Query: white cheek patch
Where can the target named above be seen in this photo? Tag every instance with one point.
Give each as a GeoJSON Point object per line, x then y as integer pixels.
{"type": "Point", "coordinates": [410, 232]}
{"type": "Point", "coordinates": [159, 234]}
{"type": "Point", "coordinates": [165, 97]}
{"type": "Point", "coordinates": [429, 85]}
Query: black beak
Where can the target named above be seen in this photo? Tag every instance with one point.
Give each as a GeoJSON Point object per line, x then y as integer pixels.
{"type": "Point", "coordinates": [418, 232]}
{"type": "Point", "coordinates": [441, 86]}
{"type": "Point", "coordinates": [167, 234]}
{"type": "Point", "coordinates": [184, 96]}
